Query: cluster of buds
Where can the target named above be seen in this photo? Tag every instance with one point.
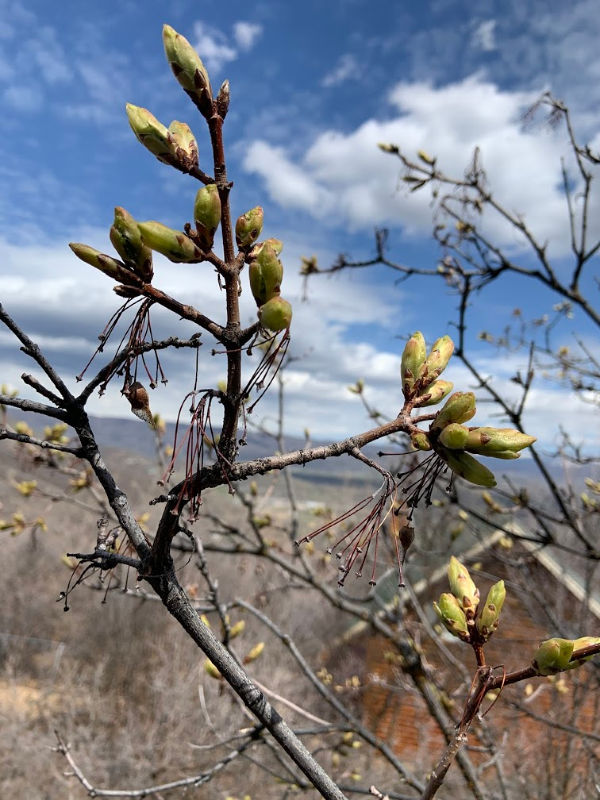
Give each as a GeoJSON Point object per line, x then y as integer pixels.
{"type": "Point", "coordinates": [555, 655]}
{"type": "Point", "coordinates": [448, 436]}
{"type": "Point", "coordinates": [458, 609]}
{"type": "Point", "coordinates": [175, 145]}
{"type": "Point", "coordinates": [265, 271]}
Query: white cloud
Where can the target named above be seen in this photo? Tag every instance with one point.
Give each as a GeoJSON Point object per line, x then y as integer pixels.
{"type": "Point", "coordinates": [23, 98]}
{"type": "Point", "coordinates": [246, 34]}
{"type": "Point", "coordinates": [346, 68]}
{"type": "Point", "coordinates": [345, 174]}
{"type": "Point", "coordinates": [483, 36]}
{"type": "Point", "coordinates": [212, 46]}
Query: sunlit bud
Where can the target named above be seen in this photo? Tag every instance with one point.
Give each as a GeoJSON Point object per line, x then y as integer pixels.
{"type": "Point", "coordinates": [425, 157]}
{"type": "Point", "coordinates": [388, 148]}
{"type": "Point", "coordinates": [223, 99]}
{"type": "Point", "coordinates": [434, 393]}
{"type": "Point", "coordinates": [459, 407]}
{"type": "Point", "coordinates": [254, 653]}
{"type": "Point", "coordinates": [276, 314]}
{"type": "Point", "coordinates": [149, 131]}
{"type": "Point", "coordinates": [183, 145]}
{"type": "Point", "coordinates": [489, 616]}
{"type": "Point", "coordinates": [469, 468]}
{"type": "Point", "coordinates": [488, 441]}
{"type": "Point", "coordinates": [276, 244]}
{"type": "Point", "coordinates": [507, 455]}
{"type": "Point", "coordinates": [437, 360]}
{"type": "Point", "coordinates": [127, 241]}
{"type": "Point", "coordinates": [237, 629]}
{"type": "Point", "coordinates": [463, 587]}
{"type": "Point", "coordinates": [420, 441]}
{"type": "Point", "coordinates": [578, 644]}
{"type": "Point", "coordinates": [491, 503]}
{"type": "Point", "coordinates": [413, 357]}
{"type": "Point", "coordinates": [266, 274]}
{"type": "Point", "coordinates": [553, 656]}
{"type": "Point", "coordinates": [207, 214]}
{"type": "Point", "coordinates": [248, 227]}
{"type": "Point", "coordinates": [106, 264]}
{"type": "Point", "coordinates": [175, 245]}
{"type": "Point", "coordinates": [188, 68]}
{"type": "Point", "coordinates": [454, 436]}
{"type": "Point", "coordinates": [449, 611]}
{"type": "Point", "coordinates": [138, 400]}
{"type": "Point", "coordinates": [211, 670]}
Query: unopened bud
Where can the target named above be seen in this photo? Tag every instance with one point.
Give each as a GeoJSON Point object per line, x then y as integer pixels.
{"type": "Point", "coordinates": [413, 357]}
{"type": "Point", "coordinates": [106, 264]}
{"type": "Point", "coordinates": [237, 629]}
{"type": "Point", "coordinates": [420, 441]}
{"type": "Point", "coordinates": [452, 615]}
{"type": "Point", "coordinates": [127, 241]}
{"type": "Point", "coordinates": [467, 467]}
{"type": "Point", "coordinates": [463, 587]}
{"type": "Point", "coordinates": [579, 644]}
{"type": "Point", "coordinates": [276, 314]}
{"type": "Point", "coordinates": [175, 245]}
{"type": "Point", "coordinates": [126, 291]}
{"type": "Point", "coordinates": [266, 274]}
{"type": "Point", "coordinates": [276, 244]}
{"type": "Point", "coordinates": [459, 407]}
{"type": "Point", "coordinates": [489, 616]}
{"type": "Point", "coordinates": [488, 441]}
{"type": "Point", "coordinates": [183, 145]}
{"type": "Point", "coordinates": [248, 227]}
{"type": "Point", "coordinates": [149, 131]}
{"type": "Point", "coordinates": [254, 653]}
{"type": "Point", "coordinates": [434, 393]}
{"type": "Point", "coordinates": [454, 436]}
{"type": "Point", "coordinates": [223, 99]}
{"type": "Point", "coordinates": [207, 214]}
{"type": "Point", "coordinates": [437, 360]}
{"type": "Point", "coordinates": [188, 68]}
{"type": "Point", "coordinates": [553, 656]}
{"type": "Point", "coordinates": [211, 670]}
{"type": "Point", "coordinates": [425, 157]}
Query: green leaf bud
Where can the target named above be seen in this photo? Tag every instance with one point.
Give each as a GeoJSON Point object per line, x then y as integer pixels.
{"type": "Point", "coordinates": [463, 587]}
{"type": "Point", "coordinates": [553, 656]}
{"type": "Point", "coordinates": [434, 393]}
{"type": "Point", "coordinates": [420, 441]}
{"type": "Point", "coordinates": [437, 360]}
{"type": "Point", "coordinates": [275, 314]}
{"type": "Point", "coordinates": [468, 468]}
{"type": "Point", "coordinates": [266, 274]}
{"type": "Point", "coordinates": [183, 145]}
{"type": "Point", "coordinates": [578, 644]}
{"type": "Point", "coordinates": [188, 68]}
{"type": "Point", "coordinates": [488, 441]}
{"type": "Point", "coordinates": [127, 241]}
{"type": "Point", "coordinates": [452, 615]}
{"type": "Point", "coordinates": [207, 214]}
{"type": "Point", "coordinates": [454, 436]}
{"type": "Point", "coordinates": [413, 357]}
{"type": "Point", "coordinates": [459, 407]}
{"type": "Point", "coordinates": [175, 245]}
{"type": "Point", "coordinates": [276, 244]}
{"type": "Point", "coordinates": [489, 616]}
{"type": "Point", "coordinates": [150, 132]}
{"type": "Point", "coordinates": [106, 264]}
{"type": "Point", "coordinates": [248, 227]}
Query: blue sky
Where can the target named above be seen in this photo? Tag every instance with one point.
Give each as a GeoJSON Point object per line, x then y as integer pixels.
{"type": "Point", "coordinates": [314, 87]}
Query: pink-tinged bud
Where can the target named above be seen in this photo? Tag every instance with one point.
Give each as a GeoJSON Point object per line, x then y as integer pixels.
{"type": "Point", "coordinates": [106, 264]}
{"type": "Point", "coordinates": [434, 393]}
{"type": "Point", "coordinates": [463, 587]}
{"type": "Point", "coordinates": [276, 314]}
{"type": "Point", "coordinates": [248, 228]}
{"type": "Point", "coordinates": [454, 436]}
{"type": "Point", "coordinates": [413, 357]}
{"type": "Point", "coordinates": [188, 68]}
{"type": "Point", "coordinates": [207, 215]}
{"type": "Point", "coordinates": [176, 246]}
{"type": "Point", "coordinates": [127, 241]}
{"type": "Point", "coordinates": [183, 145]}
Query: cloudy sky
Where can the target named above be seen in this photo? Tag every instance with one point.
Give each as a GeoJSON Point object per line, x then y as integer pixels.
{"type": "Point", "coordinates": [314, 86]}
